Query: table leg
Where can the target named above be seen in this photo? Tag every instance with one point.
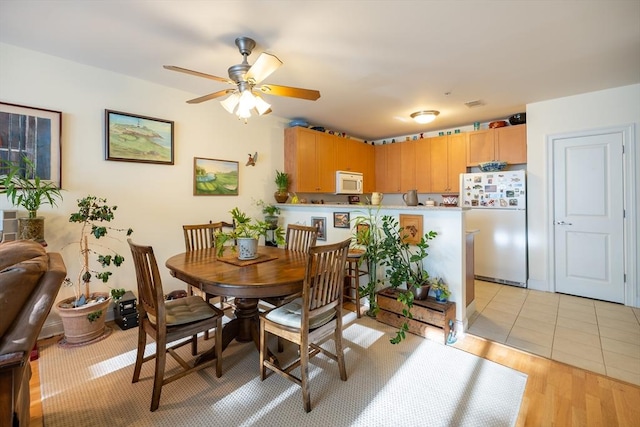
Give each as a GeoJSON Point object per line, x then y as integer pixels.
{"type": "Point", "coordinates": [244, 328]}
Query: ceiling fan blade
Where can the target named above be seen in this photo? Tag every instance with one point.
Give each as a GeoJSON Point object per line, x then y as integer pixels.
{"type": "Point", "coordinates": [199, 74]}
{"type": "Point", "coordinates": [293, 92]}
{"type": "Point", "coordinates": [213, 95]}
{"type": "Point", "coordinates": [263, 67]}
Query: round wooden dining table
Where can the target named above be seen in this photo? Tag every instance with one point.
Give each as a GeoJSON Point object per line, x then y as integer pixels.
{"type": "Point", "coordinates": [276, 272]}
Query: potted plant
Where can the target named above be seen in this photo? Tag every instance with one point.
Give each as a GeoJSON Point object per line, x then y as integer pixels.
{"type": "Point", "coordinates": [83, 314]}
{"type": "Point", "coordinates": [404, 264]}
{"type": "Point", "coordinates": [282, 183]}
{"type": "Point", "coordinates": [441, 290]}
{"type": "Point", "coordinates": [25, 188]}
{"type": "Point", "coordinates": [246, 233]}
{"type": "Point", "coordinates": [270, 212]}
{"type": "Point", "coordinates": [368, 236]}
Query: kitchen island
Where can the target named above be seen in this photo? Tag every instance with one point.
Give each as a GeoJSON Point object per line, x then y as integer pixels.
{"type": "Point", "coordinates": [447, 252]}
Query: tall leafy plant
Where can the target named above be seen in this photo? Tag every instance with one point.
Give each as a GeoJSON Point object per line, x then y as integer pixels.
{"type": "Point", "coordinates": [25, 188]}
{"type": "Point", "coordinates": [93, 212]}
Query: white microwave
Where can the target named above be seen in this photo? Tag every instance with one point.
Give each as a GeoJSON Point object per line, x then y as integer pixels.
{"type": "Point", "coordinates": [348, 182]}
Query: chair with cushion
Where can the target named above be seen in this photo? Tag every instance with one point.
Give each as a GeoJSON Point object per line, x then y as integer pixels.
{"type": "Point", "coordinates": [168, 321]}
{"type": "Point", "coordinates": [299, 238]}
{"type": "Point", "coordinates": [309, 319]}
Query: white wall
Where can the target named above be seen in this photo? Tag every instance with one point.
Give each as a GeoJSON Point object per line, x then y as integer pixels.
{"type": "Point", "coordinates": [595, 110]}
{"type": "Point", "coordinates": [155, 200]}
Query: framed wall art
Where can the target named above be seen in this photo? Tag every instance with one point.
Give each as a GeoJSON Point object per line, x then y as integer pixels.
{"type": "Point", "coordinates": [411, 228]}
{"type": "Point", "coordinates": [341, 219]}
{"type": "Point", "coordinates": [362, 233]}
{"type": "Point", "coordinates": [34, 133]}
{"type": "Point", "coordinates": [213, 177]}
{"type": "Point", "coordinates": [321, 223]}
{"type": "Point", "coordinates": [135, 138]}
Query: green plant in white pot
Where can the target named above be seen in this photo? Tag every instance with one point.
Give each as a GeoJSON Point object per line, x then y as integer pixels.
{"type": "Point", "coordinates": [246, 233]}
{"type": "Point", "coordinates": [24, 188]}
{"type": "Point", "coordinates": [83, 314]}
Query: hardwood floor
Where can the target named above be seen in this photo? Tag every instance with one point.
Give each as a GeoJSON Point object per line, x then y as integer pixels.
{"type": "Point", "coordinates": [556, 394]}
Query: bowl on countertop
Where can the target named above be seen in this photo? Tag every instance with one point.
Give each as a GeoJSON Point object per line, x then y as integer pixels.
{"type": "Point", "coordinates": [492, 166]}
{"type": "Point", "coordinates": [518, 119]}
{"type": "Point", "coordinates": [497, 124]}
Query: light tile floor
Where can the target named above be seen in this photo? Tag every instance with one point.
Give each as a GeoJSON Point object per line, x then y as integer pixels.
{"type": "Point", "coordinates": [595, 335]}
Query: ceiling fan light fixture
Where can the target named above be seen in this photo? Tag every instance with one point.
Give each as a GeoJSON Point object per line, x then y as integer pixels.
{"type": "Point", "coordinates": [231, 102]}
{"type": "Point", "coordinates": [425, 116]}
{"type": "Point", "coordinates": [261, 105]}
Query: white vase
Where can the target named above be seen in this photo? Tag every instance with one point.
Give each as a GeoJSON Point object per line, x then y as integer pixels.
{"type": "Point", "coordinates": [247, 248]}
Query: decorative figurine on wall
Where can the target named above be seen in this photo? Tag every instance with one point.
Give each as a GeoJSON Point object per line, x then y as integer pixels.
{"type": "Point", "coordinates": [252, 159]}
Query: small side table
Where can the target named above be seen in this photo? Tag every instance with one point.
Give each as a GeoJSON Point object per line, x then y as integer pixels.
{"type": "Point", "coordinates": [352, 277]}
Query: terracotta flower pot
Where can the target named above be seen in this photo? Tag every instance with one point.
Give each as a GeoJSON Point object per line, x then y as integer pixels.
{"type": "Point", "coordinates": [75, 320]}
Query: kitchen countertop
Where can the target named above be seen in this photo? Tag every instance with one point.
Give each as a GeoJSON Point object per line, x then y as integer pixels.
{"type": "Point", "coordinates": [346, 205]}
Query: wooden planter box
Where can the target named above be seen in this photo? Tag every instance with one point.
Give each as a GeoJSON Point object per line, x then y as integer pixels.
{"type": "Point", "coordinates": [430, 317]}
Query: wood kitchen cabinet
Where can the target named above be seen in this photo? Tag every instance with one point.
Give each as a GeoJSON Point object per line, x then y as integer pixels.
{"type": "Point", "coordinates": [388, 168]}
{"type": "Point", "coordinates": [448, 161]}
{"type": "Point", "coordinates": [356, 156]}
{"type": "Point", "coordinates": [408, 166]}
{"type": "Point", "coordinates": [423, 165]}
{"type": "Point", "coordinates": [310, 160]}
{"type": "Point", "coordinates": [507, 143]}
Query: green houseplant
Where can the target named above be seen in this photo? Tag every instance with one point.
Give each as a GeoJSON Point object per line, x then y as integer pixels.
{"type": "Point", "coordinates": [270, 212]}
{"type": "Point", "coordinates": [404, 267]}
{"type": "Point", "coordinates": [246, 233]}
{"type": "Point", "coordinates": [26, 189]}
{"type": "Point", "coordinates": [83, 314]}
{"type": "Point", "coordinates": [282, 183]}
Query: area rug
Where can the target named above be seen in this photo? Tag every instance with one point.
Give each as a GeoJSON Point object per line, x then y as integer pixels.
{"type": "Point", "coordinates": [416, 383]}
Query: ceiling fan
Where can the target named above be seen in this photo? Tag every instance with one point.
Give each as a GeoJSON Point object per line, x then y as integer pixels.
{"type": "Point", "coordinates": [246, 78]}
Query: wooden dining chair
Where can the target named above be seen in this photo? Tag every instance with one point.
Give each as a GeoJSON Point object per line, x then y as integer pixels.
{"type": "Point", "coordinates": [298, 238]}
{"type": "Point", "coordinates": [309, 319]}
{"type": "Point", "coordinates": [201, 236]}
{"type": "Point", "coordinates": [168, 321]}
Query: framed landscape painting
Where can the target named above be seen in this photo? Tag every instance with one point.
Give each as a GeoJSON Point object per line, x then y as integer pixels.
{"type": "Point", "coordinates": [33, 133]}
{"type": "Point", "coordinates": [135, 138]}
{"type": "Point", "coordinates": [213, 177]}
{"type": "Point", "coordinates": [341, 219]}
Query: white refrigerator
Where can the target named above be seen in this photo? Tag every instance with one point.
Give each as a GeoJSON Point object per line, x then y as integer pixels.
{"type": "Point", "coordinates": [498, 209]}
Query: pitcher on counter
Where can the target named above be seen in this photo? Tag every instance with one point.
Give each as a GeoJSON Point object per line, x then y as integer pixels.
{"type": "Point", "coordinates": [411, 198]}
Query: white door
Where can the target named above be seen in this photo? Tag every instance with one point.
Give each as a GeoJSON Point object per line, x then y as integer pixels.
{"type": "Point", "coordinates": [588, 216]}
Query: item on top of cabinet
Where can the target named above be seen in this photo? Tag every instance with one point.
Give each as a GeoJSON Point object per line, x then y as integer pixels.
{"type": "Point", "coordinates": [317, 128]}
{"type": "Point", "coordinates": [518, 119]}
{"type": "Point", "coordinates": [492, 166]}
{"type": "Point", "coordinates": [298, 122]}
{"type": "Point", "coordinates": [476, 125]}
{"type": "Point", "coordinates": [450, 200]}
{"type": "Point", "coordinates": [497, 124]}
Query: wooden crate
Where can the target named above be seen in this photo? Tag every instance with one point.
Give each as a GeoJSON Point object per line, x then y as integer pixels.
{"type": "Point", "coordinates": [430, 317]}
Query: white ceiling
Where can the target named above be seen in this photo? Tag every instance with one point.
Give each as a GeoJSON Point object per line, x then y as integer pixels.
{"type": "Point", "coordinates": [374, 62]}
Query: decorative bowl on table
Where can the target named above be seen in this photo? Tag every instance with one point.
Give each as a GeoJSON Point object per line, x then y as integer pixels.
{"type": "Point", "coordinates": [492, 166]}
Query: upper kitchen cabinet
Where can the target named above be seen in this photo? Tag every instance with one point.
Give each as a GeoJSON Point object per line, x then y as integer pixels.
{"type": "Point", "coordinates": [448, 161]}
{"type": "Point", "coordinates": [356, 156]}
{"type": "Point", "coordinates": [310, 160]}
{"type": "Point", "coordinates": [507, 143]}
{"type": "Point", "coordinates": [388, 168]}
{"type": "Point", "coordinates": [423, 165]}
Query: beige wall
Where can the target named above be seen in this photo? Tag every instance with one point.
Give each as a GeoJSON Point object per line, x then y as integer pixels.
{"type": "Point", "coordinates": [155, 200]}
{"type": "Point", "coordinates": [595, 110]}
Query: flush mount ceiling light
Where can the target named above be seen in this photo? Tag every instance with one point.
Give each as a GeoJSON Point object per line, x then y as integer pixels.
{"type": "Point", "coordinates": [424, 117]}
